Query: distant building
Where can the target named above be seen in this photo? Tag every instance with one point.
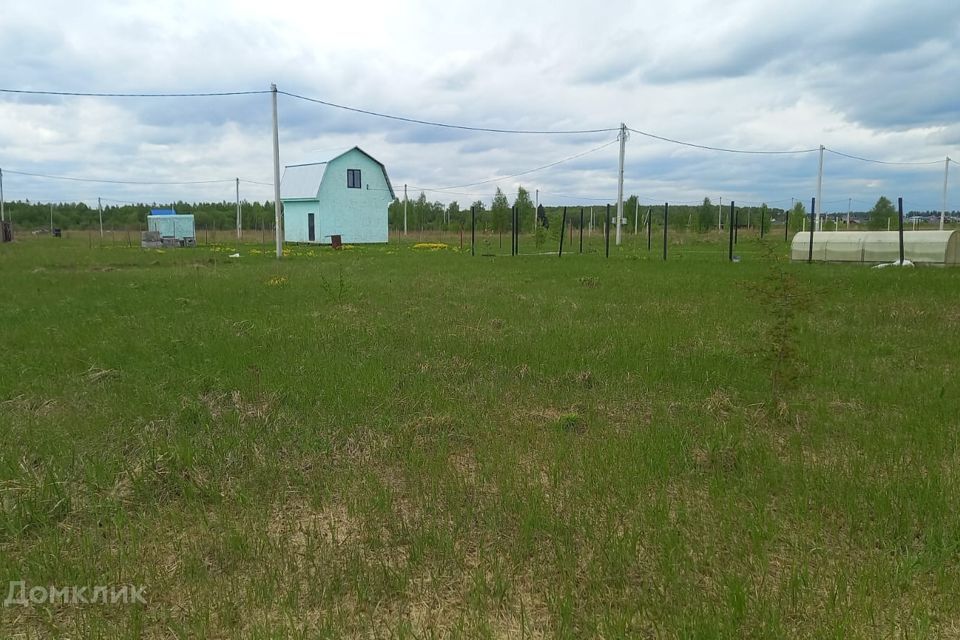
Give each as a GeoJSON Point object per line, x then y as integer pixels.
{"type": "Point", "coordinates": [346, 196]}
{"type": "Point", "coordinates": [170, 224]}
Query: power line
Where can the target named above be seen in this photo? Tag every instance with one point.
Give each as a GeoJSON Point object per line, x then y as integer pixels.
{"type": "Point", "coordinates": [578, 197]}
{"type": "Point", "coordinates": [723, 149]}
{"type": "Point", "coordinates": [763, 202]}
{"type": "Point", "coordinates": [852, 157]}
{"type": "Point", "coordinates": [445, 124]}
{"type": "Point", "coordinates": [108, 181]}
{"type": "Point", "coordinates": [523, 173]}
{"type": "Point", "coordinates": [91, 94]}
{"type": "Point", "coordinates": [124, 202]}
{"type": "Point", "coordinates": [448, 193]}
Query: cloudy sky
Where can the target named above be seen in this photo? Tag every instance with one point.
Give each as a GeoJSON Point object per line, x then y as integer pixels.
{"type": "Point", "coordinates": [872, 78]}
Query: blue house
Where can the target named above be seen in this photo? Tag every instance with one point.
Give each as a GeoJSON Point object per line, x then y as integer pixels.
{"type": "Point", "coordinates": [346, 196]}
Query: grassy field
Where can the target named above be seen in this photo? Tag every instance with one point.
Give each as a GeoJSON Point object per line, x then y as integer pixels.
{"type": "Point", "coordinates": [405, 443]}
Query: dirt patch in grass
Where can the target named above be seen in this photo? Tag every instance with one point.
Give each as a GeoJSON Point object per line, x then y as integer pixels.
{"type": "Point", "coordinates": [31, 405]}
{"type": "Point", "coordinates": [218, 403]}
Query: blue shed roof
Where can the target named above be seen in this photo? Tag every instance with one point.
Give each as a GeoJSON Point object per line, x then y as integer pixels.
{"type": "Point", "coordinates": [163, 212]}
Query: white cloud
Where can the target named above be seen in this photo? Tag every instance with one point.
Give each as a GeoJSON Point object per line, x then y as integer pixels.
{"type": "Point", "coordinates": [873, 78]}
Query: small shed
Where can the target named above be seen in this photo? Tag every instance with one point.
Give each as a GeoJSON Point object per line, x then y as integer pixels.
{"type": "Point", "coordinates": [170, 224]}
{"type": "Point", "coordinates": [922, 247]}
{"type": "Point", "coordinates": [346, 196]}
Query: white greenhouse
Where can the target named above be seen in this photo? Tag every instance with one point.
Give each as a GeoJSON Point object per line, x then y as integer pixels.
{"type": "Point", "coordinates": [921, 247]}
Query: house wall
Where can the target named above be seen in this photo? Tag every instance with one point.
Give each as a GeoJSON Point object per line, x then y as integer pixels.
{"type": "Point", "coordinates": [359, 215]}
{"type": "Point", "coordinates": [295, 220]}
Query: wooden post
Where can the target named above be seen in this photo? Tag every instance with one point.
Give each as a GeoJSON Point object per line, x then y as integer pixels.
{"type": "Point", "coordinates": [581, 229]}
{"type": "Point", "coordinates": [607, 232]}
{"type": "Point", "coordinates": [730, 231]}
{"type": "Point", "coordinates": [813, 223]}
{"type": "Point", "coordinates": [900, 216]}
{"type": "Point", "coordinates": [666, 209]}
{"type": "Point", "coordinates": [562, 229]}
{"type": "Point", "coordinates": [649, 229]}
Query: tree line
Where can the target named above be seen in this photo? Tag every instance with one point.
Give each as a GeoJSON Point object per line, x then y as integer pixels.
{"type": "Point", "coordinates": [79, 215]}
{"type": "Point", "coordinates": [494, 216]}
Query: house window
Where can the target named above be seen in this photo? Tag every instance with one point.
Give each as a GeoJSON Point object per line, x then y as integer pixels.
{"type": "Point", "coordinates": [353, 178]}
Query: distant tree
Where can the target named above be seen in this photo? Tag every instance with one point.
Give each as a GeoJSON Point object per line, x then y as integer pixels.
{"type": "Point", "coordinates": [705, 216]}
{"type": "Point", "coordinates": [525, 208]}
{"type": "Point", "coordinates": [797, 216]}
{"type": "Point", "coordinates": [630, 210]}
{"type": "Point", "coordinates": [436, 212]}
{"type": "Point", "coordinates": [764, 216]}
{"type": "Point", "coordinates": [882, 214]}
{"type": "Point", "coordinates": [421, 208]}
{"type": "Point", "coordinates": [678, 217]}
{"type": "Point", "coordinates": [453, 212]}
{"type": "Point", "coordinates": [395, 214]}
{"type": "Point", "coordinates": [500, 209]}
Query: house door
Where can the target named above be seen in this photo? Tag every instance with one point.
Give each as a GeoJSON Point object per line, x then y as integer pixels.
{"type": "Point", "coordinates": [311, 228]}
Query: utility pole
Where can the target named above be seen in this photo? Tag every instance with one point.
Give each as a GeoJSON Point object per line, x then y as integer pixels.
{"type": "Point", "coordinates": [536, 207]}
{"type": "Point", "coordinates": [849, 207]}
{"type": "Point", "coordinates": [636, 217]}
{"type": "Point", "coordinates": [720, 214]}
{"type": "Point", "coordinates": [946, 176]}
{"type": "Point", "coordinates": [819, 189]}
{"type": "Point", "coordinates": [404, 211]}
{"type": "Point", "coordinates": [2, 216]}
{"type": "Point", "coordinates": [623, 148]}
{"type": "Point", "coordinates": [239, 224]}
{"type": "Point", "coordinates": [51, 218]}
{"type": "Point", "coordinates": [100, 209]}
{"type": "Point", "coordinates": [278, 223]}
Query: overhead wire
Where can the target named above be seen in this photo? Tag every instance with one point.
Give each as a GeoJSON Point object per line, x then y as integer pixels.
{"type": "Point", "coordinates": [723, 149]}
{"type": "Point", "coordinates": [110, 181]}
{"type": "Point", "coordinates": [874, 161]}
{"type": "Point", "coordinates": [134, 182]}
{"type": "Point", "coordinates": [528, 171]}
{"type": "Point", "coordinates": [578, 197]}
{"type": "Point", "coordinates": [420, 122]}
{"type": "Point", "coordinates": [94, 94]}
{"type": "Point", "coordinates": [447, 125]}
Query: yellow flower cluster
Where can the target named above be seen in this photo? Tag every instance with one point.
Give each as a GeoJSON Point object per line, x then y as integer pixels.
{"type": "Point", "coordinates": [277, 281]}
{"type": "Point", "coordinates": [430, 246]}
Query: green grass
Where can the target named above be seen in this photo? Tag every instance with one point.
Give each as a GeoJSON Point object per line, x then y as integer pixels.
{"type": "Point", "coordinates": [388, 442]}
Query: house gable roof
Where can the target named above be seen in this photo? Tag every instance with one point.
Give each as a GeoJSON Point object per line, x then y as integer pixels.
{"type": "Point", "coordinates": [302, 181]}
